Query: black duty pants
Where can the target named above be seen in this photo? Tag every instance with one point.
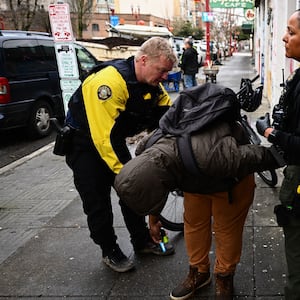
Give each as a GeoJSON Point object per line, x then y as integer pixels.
{"type": "Point", "coordinates": [93, 180]}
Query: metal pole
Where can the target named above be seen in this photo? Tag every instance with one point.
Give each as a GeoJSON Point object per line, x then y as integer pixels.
{"type": "Point", "coordinates": [230, 32]}
{"type": "Point", "coordinates": [207, 8]}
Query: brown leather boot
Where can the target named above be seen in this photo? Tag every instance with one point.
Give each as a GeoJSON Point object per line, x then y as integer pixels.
{"type": "Point", "coordinates": [195, 280]}
{"type": "Point", "coordinates": [224, 286]}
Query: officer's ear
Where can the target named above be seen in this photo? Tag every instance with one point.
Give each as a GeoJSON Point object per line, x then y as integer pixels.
{"type": "Point", "coordinates": [144, 58]}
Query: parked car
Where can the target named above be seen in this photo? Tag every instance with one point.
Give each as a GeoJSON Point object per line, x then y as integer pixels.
{"type": "Point", "coordinates": [178, 46]}
{"type": "Point", "coordinates": [30, 92]}
{"type": "Point", "coordinates": [213, 49]}
{"type": "Point", "coordinates": [201, 52]}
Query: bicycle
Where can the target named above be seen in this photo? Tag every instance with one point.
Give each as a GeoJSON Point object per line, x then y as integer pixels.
{"type": "Point", "coordinates": [269, 176]}
{"type": "Point", "coordinates": [171, 216]}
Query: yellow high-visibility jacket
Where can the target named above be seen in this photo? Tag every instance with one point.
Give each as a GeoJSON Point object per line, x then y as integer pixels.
{"type": "Point", "coordinates": [111, 105]}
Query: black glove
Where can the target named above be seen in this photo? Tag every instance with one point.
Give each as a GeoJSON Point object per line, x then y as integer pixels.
{"type": "Point", "coordinates": [263, 123]}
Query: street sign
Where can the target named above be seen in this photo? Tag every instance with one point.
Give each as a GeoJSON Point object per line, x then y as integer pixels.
{"type": "Point", "coordinates": [70, 85]}
{"type": "Point", "coordinates": [114, 20]}
{"type": "Point", "coordinates": [207, 17]}
{"type": "Point", "coordinates": [249, 14]}
{"type": "Point", "coordinates": [66, 60]}
{"type": "Point", "coordinates": [231, 3]}
{"type": "Point", "coordinates": [60, 21]}
{"type": "Point", "coordinates": [66, 97]}
{"type": "Point", "coordinates": [61, 27]}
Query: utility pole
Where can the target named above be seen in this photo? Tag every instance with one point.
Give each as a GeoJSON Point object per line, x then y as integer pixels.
{"type": "Point", "coordinates": [207, 8]}
{"type": "Point", "coordinates": [230, 32]}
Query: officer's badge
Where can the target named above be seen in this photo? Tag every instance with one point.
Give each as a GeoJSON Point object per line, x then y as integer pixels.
{"type": "Point", "coordinates": [104, 92]}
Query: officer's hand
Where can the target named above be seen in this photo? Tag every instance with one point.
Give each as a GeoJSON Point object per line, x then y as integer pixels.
{"type": "Point", "coordinates": [263, 123]}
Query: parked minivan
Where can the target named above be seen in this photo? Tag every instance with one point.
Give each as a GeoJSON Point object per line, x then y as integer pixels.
{"type": "Point", "coordinates": [30, 92]}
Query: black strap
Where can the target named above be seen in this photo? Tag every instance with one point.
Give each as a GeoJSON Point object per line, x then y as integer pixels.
{"type": "Point", "coordinates": [157, 135]}
{"type": "Point", "coordinates": [187, 154]}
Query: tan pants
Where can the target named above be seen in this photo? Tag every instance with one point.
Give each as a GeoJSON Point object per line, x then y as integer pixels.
{"type": "Point", "coordinates": [204, 214]}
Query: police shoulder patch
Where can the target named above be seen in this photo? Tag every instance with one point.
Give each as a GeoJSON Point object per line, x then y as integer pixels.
{"type": "Point", "coordinates": [104, 92]}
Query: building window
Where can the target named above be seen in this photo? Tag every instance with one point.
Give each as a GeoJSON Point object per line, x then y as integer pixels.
{"type": "Point", "coordinates": [105, 2]}
{"type": "Point", "coordinates": [95, 27]}
{"type": "Point", "coordinates": [104, 6]}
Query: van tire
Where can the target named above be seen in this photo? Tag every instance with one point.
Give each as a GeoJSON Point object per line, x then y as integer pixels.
{"type": "Point", "coordinates": [39, 121]}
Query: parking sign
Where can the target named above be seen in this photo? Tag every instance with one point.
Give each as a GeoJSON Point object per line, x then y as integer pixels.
{"type": "Point", "coordinates": [61, 27]}
{"type": "Point", "coordinates": [60, 21]}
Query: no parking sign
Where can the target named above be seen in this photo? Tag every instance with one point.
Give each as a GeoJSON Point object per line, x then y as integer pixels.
{"type": "Point", "coordinates": [60, 21]}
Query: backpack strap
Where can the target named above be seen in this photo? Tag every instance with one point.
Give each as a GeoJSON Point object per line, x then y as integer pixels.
{"type": "Point", "coordinates": [186, 153]}
{"type": "Point", "coordinates": [157, 135]}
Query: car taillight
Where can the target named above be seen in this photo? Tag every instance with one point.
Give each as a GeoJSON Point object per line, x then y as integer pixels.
{"type": "Point", "coordinates": [4, 90]}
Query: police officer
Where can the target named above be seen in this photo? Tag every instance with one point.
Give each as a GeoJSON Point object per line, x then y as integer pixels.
{"type": "Point", "coordinates": [285, 134]}
{"type": "Point", "coordinates": [119, 99]}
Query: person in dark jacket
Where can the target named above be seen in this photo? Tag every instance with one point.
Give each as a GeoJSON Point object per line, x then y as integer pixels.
{"type": "Point", "coordinates": [285, 134]}
{"type": "Point", "coordinates": [214, 143]}
{"type": "Point", "coordinates": [189, 63]}
{"type": "Point", "coordinates": [119, 99]}
{"type": "Point", "coordinates": [221, 190]}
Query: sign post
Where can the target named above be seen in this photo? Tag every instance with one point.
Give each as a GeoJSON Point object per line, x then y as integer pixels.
{"type": "Point", "coordinates": [60, 21]}
{"type": "Point", "coordinates": [208, 58]}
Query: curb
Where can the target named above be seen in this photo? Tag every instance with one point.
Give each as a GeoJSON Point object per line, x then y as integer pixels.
{"type": "Point", "coordinates": [25, 158]}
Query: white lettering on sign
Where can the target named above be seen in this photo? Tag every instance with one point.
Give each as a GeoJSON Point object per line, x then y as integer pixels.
{"type": "Point", "coordinates": [231, 3]}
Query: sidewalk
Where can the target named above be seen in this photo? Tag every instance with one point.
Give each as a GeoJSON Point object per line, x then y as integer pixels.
{"type": "Point", "coordinates": [46, 251]}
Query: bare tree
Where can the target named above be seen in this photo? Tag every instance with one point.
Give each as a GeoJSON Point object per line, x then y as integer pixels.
{"type": "Point", "coordinates": [83, 10]}
{"type": "Point", "coordinates": [22, 13]}
{"type": "Point", "coordinates": [41, 21]}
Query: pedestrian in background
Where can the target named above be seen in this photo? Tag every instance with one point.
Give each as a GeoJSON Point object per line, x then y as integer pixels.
{"type": "Point", "coordinates": [285, 134]}
{"type": "Point", "coordinates": [119, 99]}
{"type": "Point", "coordinates": [189, 64]}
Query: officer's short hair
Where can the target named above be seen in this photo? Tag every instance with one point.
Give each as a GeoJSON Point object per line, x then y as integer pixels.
{"type": "Point", "coordinates": [156, 47]}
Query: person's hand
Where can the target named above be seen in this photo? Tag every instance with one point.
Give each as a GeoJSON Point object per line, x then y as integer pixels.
{"type": "Point", "coordinates": [263, 123]}
{"type": "Point", "coordinates": [155, 226]}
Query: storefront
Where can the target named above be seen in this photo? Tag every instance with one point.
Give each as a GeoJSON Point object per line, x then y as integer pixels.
{"type": "Point", "coordinates": [270, 61]}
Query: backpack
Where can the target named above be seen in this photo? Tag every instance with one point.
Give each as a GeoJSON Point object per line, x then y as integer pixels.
{"type": "Point", "coordinates": [194, 110]}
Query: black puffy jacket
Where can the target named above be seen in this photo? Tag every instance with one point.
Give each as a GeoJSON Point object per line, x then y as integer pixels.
{"type": "Point", "coordinates": [189, 61]}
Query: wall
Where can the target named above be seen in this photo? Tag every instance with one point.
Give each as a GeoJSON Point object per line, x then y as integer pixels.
{"type": "Point", "coordinates": [272, 16]}
{"type": "Point", "coordinates": [279, 21]}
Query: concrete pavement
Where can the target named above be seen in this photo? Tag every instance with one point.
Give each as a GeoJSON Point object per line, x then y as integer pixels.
{"type": "Point", "coordinates": [46, 252]}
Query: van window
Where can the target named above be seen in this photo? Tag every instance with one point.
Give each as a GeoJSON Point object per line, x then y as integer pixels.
{"type": "Point", "coordinates": [23, 57]}
{"type": "Point", "coordinates": [49, 56]}
{"type": "Point", "coordinates": [85, 60]}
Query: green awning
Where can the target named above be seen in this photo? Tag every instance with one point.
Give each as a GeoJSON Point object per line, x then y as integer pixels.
{"type": "Point", "coordinates": [247, 28]}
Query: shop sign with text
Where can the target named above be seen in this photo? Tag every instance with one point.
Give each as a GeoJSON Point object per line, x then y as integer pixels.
{"type": "Point", "coordinates": [231, 3]}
